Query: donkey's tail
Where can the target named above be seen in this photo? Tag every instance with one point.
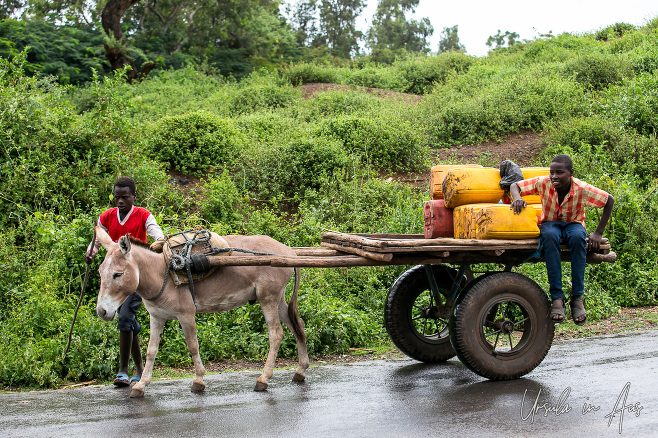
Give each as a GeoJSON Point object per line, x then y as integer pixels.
{"type": "Point", "coordinates": [293, 311]}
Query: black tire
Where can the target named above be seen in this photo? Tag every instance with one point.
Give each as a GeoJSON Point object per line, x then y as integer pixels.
{"type": "Point", "coordinates": [416, 323]}
{"type": "Point", "coordinates": [501, 329]}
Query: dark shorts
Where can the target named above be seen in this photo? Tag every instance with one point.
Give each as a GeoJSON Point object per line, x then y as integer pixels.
{"type": "Point", "coordinates": [128, 314]}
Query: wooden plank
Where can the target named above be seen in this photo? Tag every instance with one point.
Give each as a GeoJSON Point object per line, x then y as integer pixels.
{"type": "Point", "coordinates": [383, 257]}
{"type": "Point", "coordinates": [353, 239]}
{"type": "Point", "coordinates": [384, 240]}
{"type": "Point", "coordinates": [315, 251]}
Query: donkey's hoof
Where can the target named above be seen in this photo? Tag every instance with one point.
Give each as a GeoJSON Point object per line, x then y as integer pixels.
{"type": "Point", "coordinates": [136, 392]}
{"type": "Point", "coordinates": [260, 386]}
{"type": "Point", "coordinates": [297, 377]}
{"type": "Point", "coordinates": [198, 387]}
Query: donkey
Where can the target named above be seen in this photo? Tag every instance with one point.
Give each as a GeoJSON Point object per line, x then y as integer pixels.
{"type": "Point", "coordinates": [131, 266]}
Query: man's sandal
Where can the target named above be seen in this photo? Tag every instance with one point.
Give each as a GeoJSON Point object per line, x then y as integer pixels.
{"type": "Point", "coordinates": [577, 306]}
{"type": "Point", "coordinates": [121, 380]}
{"type": "Point", "coordinates": [558, 310]}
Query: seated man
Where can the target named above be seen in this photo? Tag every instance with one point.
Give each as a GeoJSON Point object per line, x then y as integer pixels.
{"type": "Point", "coordinates": [563, 200]}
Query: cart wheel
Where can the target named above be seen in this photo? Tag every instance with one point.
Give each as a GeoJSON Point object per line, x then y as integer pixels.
{"type": "Point", "coordinates": [501, 329]}
{"type": "Point", "coordinates": [415, 321]}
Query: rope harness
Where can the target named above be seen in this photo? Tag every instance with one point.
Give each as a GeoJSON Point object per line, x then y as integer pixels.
{"type": "Point", "coordinates": [183, 260]}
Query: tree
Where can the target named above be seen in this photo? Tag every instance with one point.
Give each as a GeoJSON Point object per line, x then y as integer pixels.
{"type": "Point", "coordinates": [304, 21]}
{"type": "Point", "coordinates": [338, 26]}
{"type": "Point", "coordinates": [450, 40]}
{"type": "Point", "coordinates": [115, 44]}
{"type": "Point", "coordinates": [501, 39]}
{"type": "Point", "coordinates": [392, 33]}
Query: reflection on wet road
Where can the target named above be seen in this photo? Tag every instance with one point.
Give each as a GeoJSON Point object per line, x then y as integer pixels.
{"type": "Point", "coordinates": [590, 387]}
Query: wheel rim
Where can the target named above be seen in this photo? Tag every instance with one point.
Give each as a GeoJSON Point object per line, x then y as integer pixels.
{"type": "Point", "coordinates": [429, 318]}
{"type": "Point", "coordinates": [506, 326]}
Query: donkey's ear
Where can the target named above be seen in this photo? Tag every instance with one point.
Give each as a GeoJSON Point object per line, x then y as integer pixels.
{"type": "Point", "coordinates": [103, 237]}
{"type": "Point", "coordinates": [124, 244]}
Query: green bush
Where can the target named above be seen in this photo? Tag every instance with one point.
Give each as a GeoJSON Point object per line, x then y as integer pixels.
{"type": "Point", "coordinates": [597, 71]}
{"type": "Point", "coordinates": [634, 106]}
{"type": "Point", "coordinates": [262, 90]}
{"type": "Point", "coordinates": [616, 30]}
{"type": "Point", "coordinates": [471, 110]}
{"type": "Point", "coordinates": [304, 73]}
{"type": "Point", "coordinates": [645, 57]}
{"type": "Point", "coordinates": [289, 169]}
{"type": "Point", "coordinates": [196, 141]}
{"type": "Point", "coordinates": [222, 201]}
{"type": "Point", "coordinates": [340, 102]}
{"type": "Point", "coordinates": [381, 141]}
{"type": "Point", "coordinates": [422, 73]}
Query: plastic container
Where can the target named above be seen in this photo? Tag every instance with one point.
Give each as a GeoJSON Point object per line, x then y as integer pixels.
{"type": "Point", "coordinates": [500, 222]}
{"type": "Point", "coordinates": [538, 210]}
{"type": "Point", "coordinates": [472, 186]}
{"type": "Point", "coordinates": [531, 172]}
{"type": "Point", "coordinates": [437, 175]}
{"type": "Point", "coordinates": [462, 217]}
{"type": "Point", "coordinates": [438, 220]}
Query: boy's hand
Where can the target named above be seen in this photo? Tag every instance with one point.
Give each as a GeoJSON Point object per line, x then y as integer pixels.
{"type": "Point", "coordinates": [594, 241]}
{"type": "Point", "coordinates": [89, 257]}
{"type": "Point", "coordinates": [518, 205]}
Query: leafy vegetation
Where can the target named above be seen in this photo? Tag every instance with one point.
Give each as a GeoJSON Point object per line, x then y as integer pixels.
{"type": "Point", "coordinates": [273, 162]}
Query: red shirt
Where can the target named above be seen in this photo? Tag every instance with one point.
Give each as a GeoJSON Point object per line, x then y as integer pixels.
{"type": "Point", "coordinates": [135, 223]}
{"type": "Point", "coordinates": [573, 206]}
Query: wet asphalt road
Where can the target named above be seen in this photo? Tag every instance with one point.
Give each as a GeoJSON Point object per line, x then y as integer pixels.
{"type": "Point", "coordinates": [569, 394]}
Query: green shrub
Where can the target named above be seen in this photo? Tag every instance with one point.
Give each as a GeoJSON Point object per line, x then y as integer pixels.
{"type": "Point", "coordinates": [645, 57]}
{"type": "Point", "coordinates": [616, 30]}
{"type": "Point", "coordinates": [222, 200]}
{"type": "Point", "coordinates": [597, 71]}
{"type": "Point", "coordinates": [576, 131]}
{"type": "Point", "coordinates": [290, 168]}
{"type": "Point", "coordinates": [376, 77]}
{"type": "Point", "coordinates": [304, 73]}
{"type": "Point", "coordinates": [422, 73]}
{"type": "Point", "coordinates": [473, 110]}
{"type": "Point", "coordinates": [196, 141]}
{"type": "Point", "coordinates": [340, 102]}
{"type": "Point", "coordinates": [634, 106]}
{"type": "Point", "coordinates": [261, 91]}
{"type": "Point", "coordinates": [380, 141]}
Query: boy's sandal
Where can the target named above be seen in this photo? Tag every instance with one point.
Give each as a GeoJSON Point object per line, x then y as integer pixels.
{"type": "Point", "coordinates": [578, 313]}
{"type": "Point", "coordinates": [133, 380]}
{"type": "Point", "coordinates": [121, 380]}
{"type": "Point", "coordinates": [558, 310]}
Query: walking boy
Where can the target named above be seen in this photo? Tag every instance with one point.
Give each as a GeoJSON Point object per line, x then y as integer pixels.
{"type": "Point", "coordinates": [563, 200]}
{"type": "Point", "coordinates": [138, 222]}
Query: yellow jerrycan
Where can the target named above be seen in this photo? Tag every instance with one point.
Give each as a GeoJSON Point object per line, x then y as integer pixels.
{"type": "Point", "coordinates": [463, 220]}
{"type": "Point", "coordinates": [474, 185]}
{"type": "Point", "coordinates": [500, 222]}
{"type": "Point", "coordinates": [437, 175]}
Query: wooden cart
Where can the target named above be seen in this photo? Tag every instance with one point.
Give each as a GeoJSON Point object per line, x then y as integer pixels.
{"type": "Point", "coordinates": [496, 323]}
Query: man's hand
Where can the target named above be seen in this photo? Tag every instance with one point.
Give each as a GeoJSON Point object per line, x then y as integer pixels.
{"type": "Point", "coordinates": [89, 257]}
{"type": "Point", "coordinates": [518, 205]}
{"type": "Point", "coordinates": [594, 242]}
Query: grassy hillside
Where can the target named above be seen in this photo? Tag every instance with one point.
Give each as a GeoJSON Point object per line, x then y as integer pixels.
{"type": "Point", "coordinates": [269, 161]}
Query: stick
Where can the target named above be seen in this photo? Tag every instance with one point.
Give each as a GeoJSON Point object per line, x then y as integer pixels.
{"type": "Point", "coordinates": [82, 292]}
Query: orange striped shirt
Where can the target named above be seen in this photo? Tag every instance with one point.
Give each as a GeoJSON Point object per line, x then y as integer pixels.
{"type": "Point", "coordinates": [573, 206]}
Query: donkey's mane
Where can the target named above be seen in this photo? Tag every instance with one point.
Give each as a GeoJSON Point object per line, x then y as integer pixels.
{"type": "Point", "coordinates": [137, 242]}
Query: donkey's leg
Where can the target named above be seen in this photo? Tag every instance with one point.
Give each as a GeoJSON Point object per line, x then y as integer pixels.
{"type": "Point", "coordinates": [302, 351]}
{"type": "Point", "coordinates": [275, 335]}
{"type": "Point", "coordinates": [157, 326]}
{"type": "Point", "coordinates": [188, 323]}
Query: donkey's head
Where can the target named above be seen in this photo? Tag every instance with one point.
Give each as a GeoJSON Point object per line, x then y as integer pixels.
{"type": "Point", "coordinates": [119, 275]}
